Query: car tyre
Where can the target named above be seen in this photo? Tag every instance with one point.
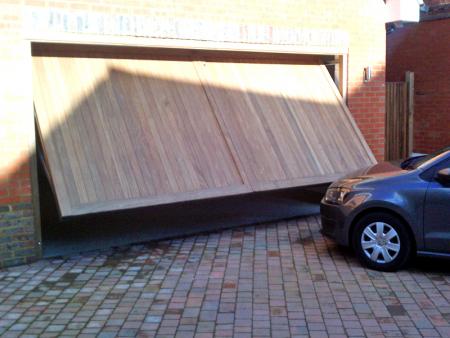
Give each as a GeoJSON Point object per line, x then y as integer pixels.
{"type": "Point", "coordinates": [382, 242]}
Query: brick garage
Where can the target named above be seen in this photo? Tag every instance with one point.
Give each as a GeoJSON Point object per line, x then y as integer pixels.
{"type": "Point", "coordinates": [424, 49]}
{"type": "Point", "coordinates": [363, 22]}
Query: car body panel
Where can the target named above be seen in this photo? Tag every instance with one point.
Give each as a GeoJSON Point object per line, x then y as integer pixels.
{"type": "Point", "coordinates": [437, 218]}
{"type": "Point", "coordinates": [437, 214]}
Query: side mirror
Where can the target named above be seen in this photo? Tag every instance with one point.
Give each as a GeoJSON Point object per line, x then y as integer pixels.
{"type": "Point", "coordinates": [443, 176]}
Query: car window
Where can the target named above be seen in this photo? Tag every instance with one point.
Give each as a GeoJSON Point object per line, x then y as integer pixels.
{"type": "Point", "coordinates": [443, 165]}
{"type": "Point", "coordinates": [430, 174]}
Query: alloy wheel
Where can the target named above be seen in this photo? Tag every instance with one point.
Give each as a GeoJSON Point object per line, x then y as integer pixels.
{"type": "Point", "coordinates": [380, 242]}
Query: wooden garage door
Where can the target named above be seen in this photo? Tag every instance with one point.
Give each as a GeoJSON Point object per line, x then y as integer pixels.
{"type": "Point", "coordinates": [126, 132]}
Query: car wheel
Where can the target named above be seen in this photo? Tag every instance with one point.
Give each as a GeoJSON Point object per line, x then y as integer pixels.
{"type": "Point", "coordinates": [382, 242]}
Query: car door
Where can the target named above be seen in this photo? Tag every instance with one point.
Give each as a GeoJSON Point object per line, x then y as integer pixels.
{"type": "Point", "coordinates": [437, 214]}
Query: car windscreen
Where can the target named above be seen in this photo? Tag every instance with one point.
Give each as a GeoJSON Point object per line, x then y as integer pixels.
{"type": "Point", "coordinates": [422, 161]}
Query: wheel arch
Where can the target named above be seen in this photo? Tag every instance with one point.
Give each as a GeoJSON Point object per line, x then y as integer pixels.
{"type": "Point", "coordinates": [387, 210]}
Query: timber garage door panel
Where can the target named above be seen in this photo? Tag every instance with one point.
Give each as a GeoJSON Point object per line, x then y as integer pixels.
{"type": "Point", "coordinates": [286, 122]}
{"type": "Point", "coordinates": [121, 133]}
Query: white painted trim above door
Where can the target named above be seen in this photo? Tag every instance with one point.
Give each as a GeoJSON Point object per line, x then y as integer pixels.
{"type": "Point", "coordinates": [62, 26]}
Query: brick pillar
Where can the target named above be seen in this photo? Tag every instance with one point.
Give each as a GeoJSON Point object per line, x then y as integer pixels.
{"type": "Point", "coordinates": [19, 242]}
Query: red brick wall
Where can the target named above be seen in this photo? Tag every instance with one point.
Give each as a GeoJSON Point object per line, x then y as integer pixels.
{"type": "Point", "coordinates": [18, 242]}
{"type": "Point", "coordinates": [424, 48]}
{"type": "Point", "coordinates": [362, 20]}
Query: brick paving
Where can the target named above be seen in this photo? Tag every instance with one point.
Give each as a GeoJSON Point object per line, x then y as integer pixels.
{"type": "Point", "coordinates": [279, 279]}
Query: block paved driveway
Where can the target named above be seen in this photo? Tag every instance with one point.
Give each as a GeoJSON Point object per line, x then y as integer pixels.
{"type": "Point", "coordinates": [279, 279]}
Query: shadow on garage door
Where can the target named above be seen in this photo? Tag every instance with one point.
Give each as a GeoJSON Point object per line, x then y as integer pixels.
{"type": "Point", "coordinates": [101, 231]}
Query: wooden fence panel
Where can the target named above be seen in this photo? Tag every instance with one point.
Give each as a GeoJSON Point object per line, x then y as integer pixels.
{"type": "Point", "coordinates": [397, 132]}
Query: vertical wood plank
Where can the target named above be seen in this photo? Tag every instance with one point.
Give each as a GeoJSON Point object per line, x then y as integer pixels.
{"type": "Point", "coordinates": [410, 110]}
